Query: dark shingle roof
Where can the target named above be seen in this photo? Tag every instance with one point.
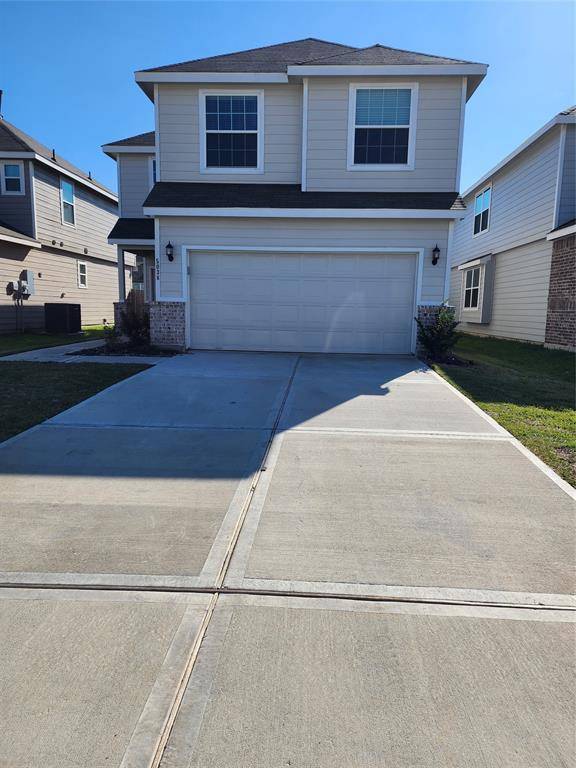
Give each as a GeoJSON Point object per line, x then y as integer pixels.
{"type": "Point", "coordinates": [382, 55]}
{"type": "Point", "coordinates": [563, 226]}
{"type": "Point", "coordinates": [177, 194]}
{"type": "Point", "coordinates": [140, 140]}
{"type": "Point", "coordinates": [276, 58]}
{"type": "Point", "coordinates": [12, 139]}
{"type": "Point", "coordinates": [133, 229]}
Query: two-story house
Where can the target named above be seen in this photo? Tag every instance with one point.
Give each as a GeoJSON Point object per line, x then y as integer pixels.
{"type": "Point", "coordinates": [300, 196]}
{"type": "Point", "coordinates": [54, 224]}
{"type": "Point", "coordinates": [513, 257]}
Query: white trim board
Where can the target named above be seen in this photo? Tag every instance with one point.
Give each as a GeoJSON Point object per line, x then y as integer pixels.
{"type": "Point", "coordinates": [310, 70]}
{"type": "Point", "coordinates": [307, 213]}
{"type": "Point", "coordinates": [563, 232]}
{"type": "Point", "coordinates": [124, 241]}
{"type": "Point", "coordinates": [210, 77]}
{"type": "Point", "coordinates": [559, 174]}
{"type": "Point", "coordinates": [119, 149]}
{"type": "Point", "coordinates": [19, 241]}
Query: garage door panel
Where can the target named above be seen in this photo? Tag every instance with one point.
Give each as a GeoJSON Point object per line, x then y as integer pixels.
{"type": "Point", "coordinates": [303, 302]}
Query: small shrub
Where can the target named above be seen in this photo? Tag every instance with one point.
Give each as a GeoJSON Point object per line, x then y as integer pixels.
{"type": "Point", "coordinates": [135, 321]}
{"type": "Point", "coordinates": [438, 338]}
{"type": "Point", "coordinates": [112, 338]}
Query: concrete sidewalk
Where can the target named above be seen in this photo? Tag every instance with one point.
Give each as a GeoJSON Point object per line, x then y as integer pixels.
{"type": "Point", "coordinates": [300, 482]}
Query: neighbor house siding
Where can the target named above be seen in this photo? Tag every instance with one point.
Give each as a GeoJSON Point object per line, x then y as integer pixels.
{"type": "Point", "coordinates": [567, 207]}
{"type": "Point", "coordinates": [522, 206]}
{"type": "Point", "coordinates": [179, 139]}
{"type": "Point", "coordinates": [55, 280]}
{"type": "Point", "coordinates": [134, 183]}
{"type": "Point", "coordinates": [437, 138]}
{"type": "Point", "coordinates": [520, 295]}
{"type": "Point", "coordinates": [302, 233]}
{"type": "Point", "coordinates": [16, 210]}
{"type": "Point", "coordinates": [95, 217]}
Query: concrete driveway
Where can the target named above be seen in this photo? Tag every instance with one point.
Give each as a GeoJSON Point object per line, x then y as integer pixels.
{"type": "Point", "coordinates": [344, 546]}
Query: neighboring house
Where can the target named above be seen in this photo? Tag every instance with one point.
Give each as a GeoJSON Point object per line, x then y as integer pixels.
{"type": "Point", "coordinates": [54, 223]}
{"type": "Point", "coordinates": [513, 257]}
{"type": "Point", "coordinates": [301, 196]}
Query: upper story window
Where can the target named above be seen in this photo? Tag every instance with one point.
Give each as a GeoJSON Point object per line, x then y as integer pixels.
{"type": "Point", "coordinates": [67, 202]}
{"type": "Point", "coordinates": [12, 177]}
{"type": "Point", "coordinates": [482, 211]}
{"type": "Point", "coordinates": [382, 127]}
{"type": "Point", "coordinates": [472, 288]}
{"type": "Point", "coordinates": [231, 132]}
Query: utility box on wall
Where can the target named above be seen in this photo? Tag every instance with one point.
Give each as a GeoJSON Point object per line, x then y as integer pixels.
{"type": "Point", "coordinates": [62, 318]}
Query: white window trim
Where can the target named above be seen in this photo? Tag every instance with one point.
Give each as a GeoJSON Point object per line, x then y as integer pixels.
{"type": "Point", "coordinates": [482, 231]}
{"type": "Point", "coordinates": [464, 289]}
{"type": "Point", "coordinates": [5, 191]}
{"type": "Point", "coordinates": [151, 161]}
{"type": "Point", "coordinates": [389, 85]}
{"type": "Point", "coordinates": [202, 126]}
{"type": "Point", "coordinates": [67, 223]}
{"type": "Point", "coordinates": [78, 265]}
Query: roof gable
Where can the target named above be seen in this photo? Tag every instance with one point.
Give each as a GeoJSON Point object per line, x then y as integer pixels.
{"type": "Point", "coordinates": [147, 139]}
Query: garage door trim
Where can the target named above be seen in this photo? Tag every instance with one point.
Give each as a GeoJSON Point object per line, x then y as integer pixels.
{"type": "Point", "coordinates": [187, 250]}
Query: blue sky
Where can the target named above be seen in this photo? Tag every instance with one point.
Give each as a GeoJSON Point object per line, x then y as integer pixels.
{"type": "Point", "coordinates": [67, 67]}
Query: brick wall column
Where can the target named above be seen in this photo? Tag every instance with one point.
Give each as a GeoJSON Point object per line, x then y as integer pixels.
{"type": "Point", "coordinates": [561, 314]}
{"type": "Point", "coordinates": [168, 324]}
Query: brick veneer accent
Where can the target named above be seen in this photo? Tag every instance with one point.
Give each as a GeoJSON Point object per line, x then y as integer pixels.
{"type": "Point", "coordinates": [427, 314]}
{"type": "Point", "coordinates": [168, 324]}
{"type": "Point", "coordinates": [561, 314]}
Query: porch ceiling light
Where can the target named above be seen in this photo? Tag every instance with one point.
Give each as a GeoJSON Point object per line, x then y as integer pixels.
{"type": "Point", "coordinates": [170, 251]}
{"type": "Point", "coordinates": [435, 254]}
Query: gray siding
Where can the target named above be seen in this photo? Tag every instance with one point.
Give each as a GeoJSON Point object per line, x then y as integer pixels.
{"type": "Point", "coordinates": [522, 208]}
{"type": "Point", "coordinates": [179, 134]}
{"type": "Point", "coordinates": [300, 233]}
{"type": "Point", "coordinates": [58, 276]}
{"type": "Point", "coordinates": [95, 217]}
{"type": "Point", "coordinates": [567, 207]}
{"type": "Point", "coordinates": [520, 294]}
{"type": "Point", "coordinates": [16, 210]}
{"type": "Point", "coordinates": [134, 183]}
{"type": "Point", "coordinates": [437, 138]}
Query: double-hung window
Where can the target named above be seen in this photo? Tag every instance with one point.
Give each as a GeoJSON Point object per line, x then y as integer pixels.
{"type": "Point", "coordinates": [482, 210]}
{"type": "Point", "coordinates": [382, 127]}
{"type": "Point", "coordinates": [67, 201]}
{"type": "Point", "coordinates": [12, 177]}
{"type": "Point", "coordinates": [231, 132]}
{"type": "Point", "coordinates": [82, 274]}
{"type": "Point", "coordinates": [472, 288]}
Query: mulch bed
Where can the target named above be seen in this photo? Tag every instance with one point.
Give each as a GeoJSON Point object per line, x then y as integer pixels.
{"type": "Point", "coordinates": [121, 350]}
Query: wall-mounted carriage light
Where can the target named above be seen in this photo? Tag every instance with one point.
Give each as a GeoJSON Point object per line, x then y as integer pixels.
{"type": "Point", "coordinates": [435, 254]}
{"type": "Point", "coordinates": [170, 251]}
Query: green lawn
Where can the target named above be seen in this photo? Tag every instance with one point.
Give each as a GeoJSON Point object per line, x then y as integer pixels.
{"type": "Point", "coordinates": [529, 390]}
{"type": "Point", "coordinates": [33, 392]}
{"type": "Point", "coordinates": [11, 343]}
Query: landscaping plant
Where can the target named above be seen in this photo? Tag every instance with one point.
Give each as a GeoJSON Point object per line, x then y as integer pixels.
{"type": "Point", "coordinates": [439, 337]}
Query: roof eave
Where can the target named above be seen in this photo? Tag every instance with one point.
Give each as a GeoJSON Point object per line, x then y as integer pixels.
{"type": "Point", "coordinates": [338, 70]}
{"type": "Point", "coordinates": [306, 213]}
{"type": "Point", "coordinates": [112, 150]}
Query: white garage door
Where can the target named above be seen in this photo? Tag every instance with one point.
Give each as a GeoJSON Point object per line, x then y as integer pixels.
{"type": "Point", "coordinates": [302, 302]}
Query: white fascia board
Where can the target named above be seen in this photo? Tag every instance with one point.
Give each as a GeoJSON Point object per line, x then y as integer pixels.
{"type": "Point", "coordinates": [475, 262]}
{"type": "Point", "coordinates": [124, 241]}
{"type": "Point", "coordinates": [118, 149]}
{"type": "Point", "coordinates": [564, 232]}
{"type": "Point", "coordinates": [60, 170]}
{"type": "Point", "coordinates": [306, 213]}
{"type": "Point", "coordinates": [20, 241]}
{"type": "Point", "coordinates": [558, 120]}
{"type": "Point", "coordinates": [210, 77]}
{"type": "Point", "coordinates": [304, 70]}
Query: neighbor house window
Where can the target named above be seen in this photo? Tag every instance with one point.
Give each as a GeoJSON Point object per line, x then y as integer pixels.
{"type": "Point", "coordinates": [152, 170]}
{"type": "Point", "coordinates": [12, 178]}
{"type": "Point", "coordinates": [472, 288]}
{"type": "Point", "coordinates": [82, 274]}
{"type": "Point", "coordinates": [381, 133]}
{"type": "Point", "coordinates": [67, 200]}
{"type": "Point", "coordinates": [231, 131]}
{"type": "Point", "coordinates": [482, 211]}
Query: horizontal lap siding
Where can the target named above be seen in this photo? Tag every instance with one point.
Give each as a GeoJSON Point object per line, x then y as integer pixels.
{"type": "Point", "coordinates": [437, 137]}
{"type": "Point", "coordinates": [16, 210]}
{"type": "Point", "coordinates": [522, 208]}
{"type": "Point", "coordinates": [134, 179]}
{"type": "Point", "coordinates": [300, 233]}
{"type": "Point", "coordinates": [567, 209]}
{"type": "Point", "coordinates": [59, 276]}
{"type": "Point", "coordinates": [95, 217]}
{"type": "Point", "coordinates": [520, 294]}
{"type": "Point", "coordinates": [178, 118]}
